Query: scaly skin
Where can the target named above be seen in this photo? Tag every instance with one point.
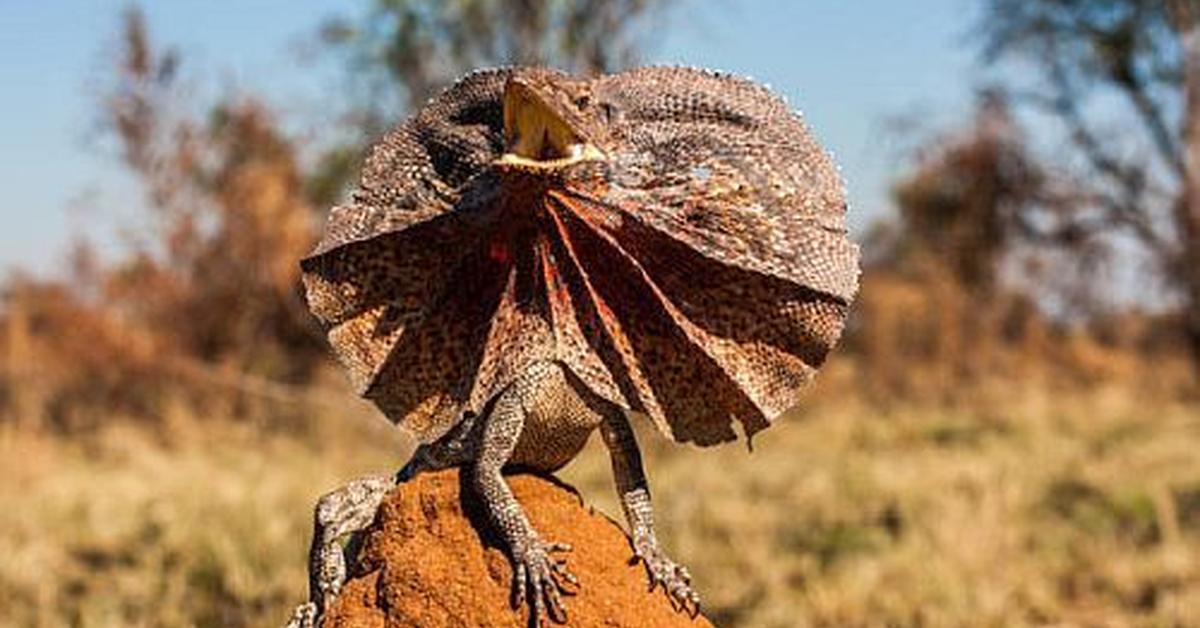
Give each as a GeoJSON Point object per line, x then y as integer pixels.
{"type": "Point", "coordinates": [532, 255]}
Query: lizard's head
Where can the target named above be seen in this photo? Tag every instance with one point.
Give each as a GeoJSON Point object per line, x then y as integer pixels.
{"type": "Point", "coordinates": [551, 122]}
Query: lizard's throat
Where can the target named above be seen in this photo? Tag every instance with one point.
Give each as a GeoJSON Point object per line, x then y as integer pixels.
{"type": "Point", "coordinates": [538, 138]}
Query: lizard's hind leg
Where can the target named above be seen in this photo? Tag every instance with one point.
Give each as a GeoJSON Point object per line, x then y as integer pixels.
{"type": "Point", "coordinates": [347, 511]}
{"type": "Point", "coordinates": [635, 501]}
{"type": "Point", "coordinates": [338, 514]}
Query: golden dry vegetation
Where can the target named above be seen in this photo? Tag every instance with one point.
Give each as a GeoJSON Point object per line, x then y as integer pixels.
{"type": "Point", "coordinates": [1028, 506]}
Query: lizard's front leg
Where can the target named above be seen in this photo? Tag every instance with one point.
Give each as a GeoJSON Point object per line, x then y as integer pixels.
{"type": "Point", "coordinates": [635, 501]}
{"type": "Point", "coordinates": [538, 576]}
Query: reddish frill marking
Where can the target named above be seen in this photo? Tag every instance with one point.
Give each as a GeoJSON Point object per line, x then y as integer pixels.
{"type": "Point", "coordinates": [600, 317]}
{"type": "Point", "coordinates": [499, 252]}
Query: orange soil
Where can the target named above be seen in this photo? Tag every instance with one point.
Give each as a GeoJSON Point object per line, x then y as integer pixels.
{"type": "Point", "coordinates": [425, 564]}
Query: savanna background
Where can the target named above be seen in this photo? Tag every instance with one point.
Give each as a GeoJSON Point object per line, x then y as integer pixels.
{"type": "Point", "coordinates": [1009, 435]}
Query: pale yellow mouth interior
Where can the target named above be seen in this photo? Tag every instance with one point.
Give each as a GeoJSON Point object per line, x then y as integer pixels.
{"type": "Point", "coordinates": [537, 138]}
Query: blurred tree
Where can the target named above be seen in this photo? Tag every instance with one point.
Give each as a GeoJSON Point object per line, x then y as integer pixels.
{"type": "Point", "coordinates": [966, 203]}
{"type": "Point", "coordinates": [202, 312]}
{"type": "Point", "coordinates": [228, 220]}
{"type": "Point", "coordinates": [1136, 65]}
{"type": "Point", "coordinates": [932, 294]}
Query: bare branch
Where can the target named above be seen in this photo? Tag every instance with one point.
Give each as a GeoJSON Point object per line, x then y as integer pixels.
{"type": "Point", "coordinates": [1150, 112]}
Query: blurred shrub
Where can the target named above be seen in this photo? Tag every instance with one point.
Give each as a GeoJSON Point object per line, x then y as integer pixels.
{"type": "Point", "coordinates": [205, 309]}
{"type": "Point", "coordinates": [962, 285]}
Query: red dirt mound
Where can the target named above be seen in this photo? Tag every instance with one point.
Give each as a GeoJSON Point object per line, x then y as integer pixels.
{"type": "Point", "coordinates": [425, 563]}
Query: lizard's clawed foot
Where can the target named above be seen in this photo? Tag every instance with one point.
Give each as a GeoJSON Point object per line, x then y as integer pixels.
{"type": "Point", "coordinates": [674, 578]}
{"type": "Point", "coordinates": [542, 579]}
{"type": "Point", "coordinates": [305, 616]}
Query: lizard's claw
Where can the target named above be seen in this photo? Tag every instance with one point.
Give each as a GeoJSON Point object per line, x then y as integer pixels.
{"type": "Point", "coordinates": [674, 578]}
{"type": "Point", "coordinates": [540, 577]}
{"type": "Point", "coordinates": [305, 616]}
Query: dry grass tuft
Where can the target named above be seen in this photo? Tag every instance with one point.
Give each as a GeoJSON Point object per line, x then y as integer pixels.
{"type": "Point", "coordinates": [125, 529]}
{"type": "Point", "coordinates": [1044, 509]}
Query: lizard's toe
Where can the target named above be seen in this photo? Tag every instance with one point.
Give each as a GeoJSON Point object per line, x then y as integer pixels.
{"type": "Point", "coordinates": [305, 616]}
{"type": "Point", "coordinates": [541, 580]}
{"type": "Point", "coordinates": [675, 579]}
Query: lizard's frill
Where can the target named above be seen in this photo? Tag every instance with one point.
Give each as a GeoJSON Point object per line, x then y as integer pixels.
{"type": "Point", "coordinates": [700, 275]}
{"type": "Point", "coordinates": [434, 319]}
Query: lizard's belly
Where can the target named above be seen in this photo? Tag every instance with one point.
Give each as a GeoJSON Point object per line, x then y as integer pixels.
{"type": "Point", "coordinates": [557, 426]}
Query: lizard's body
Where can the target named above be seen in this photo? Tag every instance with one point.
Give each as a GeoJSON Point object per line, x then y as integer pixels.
{"type": "Point", "coordinates": [559, 417]}
{"type": "Point", "coordinates": [532, 256]}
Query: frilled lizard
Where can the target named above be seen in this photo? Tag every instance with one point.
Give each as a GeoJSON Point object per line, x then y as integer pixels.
{"type": "Point", "coordinates": [533, 256]}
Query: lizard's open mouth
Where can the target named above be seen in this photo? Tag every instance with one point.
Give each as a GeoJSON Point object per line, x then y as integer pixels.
{"type": "Point", "coordinates": [537, 136]}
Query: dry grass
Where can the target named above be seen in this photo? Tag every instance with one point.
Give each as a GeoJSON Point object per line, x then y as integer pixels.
{"type": "Point", "coordinates": [1044, 509]}
{"type": "Point", "coordinates": [200, 527]}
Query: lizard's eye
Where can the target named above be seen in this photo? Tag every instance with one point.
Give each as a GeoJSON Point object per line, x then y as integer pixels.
{"type": "Point", "coordinates": [582, 102]}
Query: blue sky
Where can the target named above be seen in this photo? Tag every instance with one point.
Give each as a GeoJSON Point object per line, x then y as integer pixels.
{"type": "Point", "coordinates": [850, 67]}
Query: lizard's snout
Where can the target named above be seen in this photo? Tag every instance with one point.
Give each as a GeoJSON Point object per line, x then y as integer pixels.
{"type": "Point", "coordinates": [538, 135]}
